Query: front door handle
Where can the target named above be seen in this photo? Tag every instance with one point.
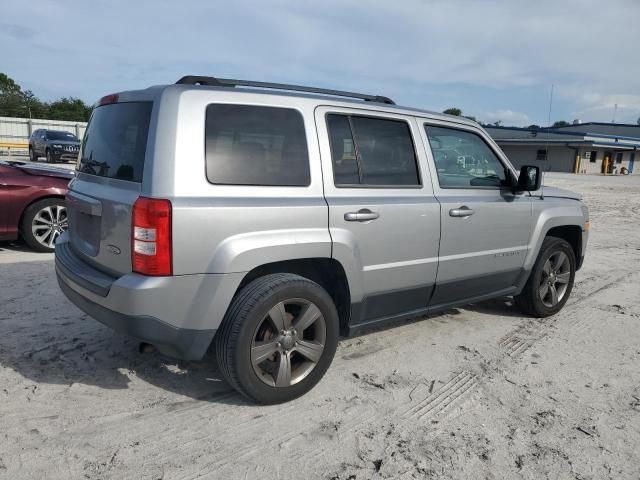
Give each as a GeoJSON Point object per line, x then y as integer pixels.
{"type": "Point", "coordinates": [462, 212]}
{"type": "Point", "coordinates": [362, 215]}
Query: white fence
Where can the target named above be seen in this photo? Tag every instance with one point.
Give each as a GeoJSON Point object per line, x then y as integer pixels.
{"type": "Point", "coordinates": [15, 132]}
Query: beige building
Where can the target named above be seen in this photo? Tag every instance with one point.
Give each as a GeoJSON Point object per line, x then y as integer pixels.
{"type": "Point", "coordinates": [582, 148]}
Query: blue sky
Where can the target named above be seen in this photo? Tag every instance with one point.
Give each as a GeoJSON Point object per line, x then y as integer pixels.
{"type": "Point", "coordinates": [494, 59]}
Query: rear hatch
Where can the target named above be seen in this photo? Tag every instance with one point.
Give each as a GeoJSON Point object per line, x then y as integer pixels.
{"type": "Point", "coordinates": [107, 184]}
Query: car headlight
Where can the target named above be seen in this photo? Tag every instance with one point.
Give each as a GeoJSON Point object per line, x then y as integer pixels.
{"type": "Point", "coordinates": [55, 145]}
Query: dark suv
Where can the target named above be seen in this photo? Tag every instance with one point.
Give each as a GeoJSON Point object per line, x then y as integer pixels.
{"type": "Point", "coordinates": [55, 145]}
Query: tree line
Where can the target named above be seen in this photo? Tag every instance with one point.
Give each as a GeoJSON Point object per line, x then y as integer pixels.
{"type": "Point", "coordinates": [457, 112]}
{"type": "Point", "coordinates": [15, 102]}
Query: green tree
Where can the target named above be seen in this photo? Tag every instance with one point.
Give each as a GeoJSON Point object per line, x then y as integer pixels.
{"type": "Point", "coordinates": [560, 123]}
{"type": "Point", "coordinates": [453, 111]}
{"type": "Point", "coordinates": [71, 109]}
{"type": "Point", "coordinates": [638, 121]}
{"type": "Point", "coordinates": [14, 102]}
{"type": "Point", "coordinates": [533, 127]}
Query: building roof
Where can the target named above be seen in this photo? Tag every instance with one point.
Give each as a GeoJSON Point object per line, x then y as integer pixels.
{"type": "Point", "coordinates": [562, 136]}
{"type": "Point", "coordinates": [628, 130]}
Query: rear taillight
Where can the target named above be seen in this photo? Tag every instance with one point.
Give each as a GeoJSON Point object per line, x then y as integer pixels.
{"type": "Point", "coordinates": [151, 237]}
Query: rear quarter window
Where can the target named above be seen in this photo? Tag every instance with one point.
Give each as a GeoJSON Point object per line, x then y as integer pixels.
{"type": "Point", "coordinates": [255, 145]}
{"type": "Point", "coordinates": [115, 141]}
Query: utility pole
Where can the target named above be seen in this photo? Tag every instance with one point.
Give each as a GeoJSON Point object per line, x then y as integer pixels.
{"type": "Point", "coordinates": [615, 110]}
{"type": "Point", "coordinates": [550, 103]}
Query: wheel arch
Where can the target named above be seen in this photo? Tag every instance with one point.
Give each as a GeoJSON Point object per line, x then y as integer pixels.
{"type": "Point", "coordinates": [326, 272]}
{"type": "Point", "coordinates": [572, 234]}
{"type": "Point", "coordinates": [565, 221]}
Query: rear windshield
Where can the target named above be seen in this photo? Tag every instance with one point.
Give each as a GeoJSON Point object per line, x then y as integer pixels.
{"type": "Point", "coordinates": [115, 142]}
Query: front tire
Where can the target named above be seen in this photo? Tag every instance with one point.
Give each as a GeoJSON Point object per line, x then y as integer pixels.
{"type": "Point", "coordinates": [551, 280]}
{"type": "Point", "coordinates": [32, 155]}
{"type": "Point", "coordinates": [43, 222]}
{"type": "Point", "coordinates": [278, 338]}
{"type": "Point", "coordinates": [49, 157]}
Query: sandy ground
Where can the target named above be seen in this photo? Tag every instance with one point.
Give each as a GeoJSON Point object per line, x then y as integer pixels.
{"type": "Point", "coordinates": [479, 392]}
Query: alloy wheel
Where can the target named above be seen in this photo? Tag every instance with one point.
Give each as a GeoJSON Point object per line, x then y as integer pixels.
{"type": "Point", "coordinates": [556, 273]}
{"type": "Point", "coordinates": [288, 343]}
{"type": "Point", "coordinates": [48, 224]}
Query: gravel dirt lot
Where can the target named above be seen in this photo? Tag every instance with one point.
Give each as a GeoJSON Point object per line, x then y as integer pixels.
{"type": "Point", "coordinates": [479, 392]}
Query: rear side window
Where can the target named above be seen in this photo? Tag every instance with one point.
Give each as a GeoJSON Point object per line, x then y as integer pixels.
{"type": "Point", "coordinates": [372, 151]}
{"type": "Point", "coordinates": [252, 145]}
{"type": "Point", "coordinates": [115, 142]}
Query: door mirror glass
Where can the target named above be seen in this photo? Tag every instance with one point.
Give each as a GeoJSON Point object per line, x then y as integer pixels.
{"type": "Point", "coordinates": [530, 178]}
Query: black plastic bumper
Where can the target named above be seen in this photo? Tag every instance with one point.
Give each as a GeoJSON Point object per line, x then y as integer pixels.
{"type": "Point", "coordinates": [181, 343]}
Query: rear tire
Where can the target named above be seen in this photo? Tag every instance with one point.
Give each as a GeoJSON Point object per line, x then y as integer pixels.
{"type": "Point", "coordinates": [43, 222]}
{"type": "Point", "coordinates": [550, 281]}
{"type": "Point", "coordinates": [32, 155]}
{"type": "Point", "coordinates": [254, 353]}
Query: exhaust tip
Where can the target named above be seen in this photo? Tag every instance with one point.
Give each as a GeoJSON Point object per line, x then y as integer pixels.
{"type": "Point", "coordinates": [146, 348]}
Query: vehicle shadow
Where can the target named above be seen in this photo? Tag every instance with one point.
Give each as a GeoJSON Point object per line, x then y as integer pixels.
{"type": "Point", "coordinates": [46, 339]}
{"type": "Point", "coordinates": [503, 306]}
{"type": "Point", "coordinates": [15, 246]}
{"type": "Point", "coordinates": [97, 356]}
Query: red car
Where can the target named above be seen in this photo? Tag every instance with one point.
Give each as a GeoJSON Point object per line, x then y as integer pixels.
{"type": "Point", "coordinates": [32, 203]}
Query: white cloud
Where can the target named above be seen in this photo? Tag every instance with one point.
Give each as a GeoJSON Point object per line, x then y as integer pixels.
{"type": "Point", "coordinates": [507, 118]}
{"type": "Point", "coordinates": [625, 108]}
{"type": "Point", "coordinates": [401, 49]}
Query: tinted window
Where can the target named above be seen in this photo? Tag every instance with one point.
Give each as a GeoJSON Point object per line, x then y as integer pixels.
{"type": "Point", "coordinates": [55, 135]}
{"type": "Point", "coordinates": [463, 159]}
{"type": "Point", "coordinates": [343, 153]}
{"type": "Point", "coordinates": [372, 151]}
{"type": "Point", "coordinates": [115, 142]}
{"type": "Point", "coordinates": [249, 145]}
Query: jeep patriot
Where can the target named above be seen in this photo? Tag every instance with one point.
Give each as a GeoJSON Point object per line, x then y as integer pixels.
{"type": "Point", "coordinates": [268, 219]}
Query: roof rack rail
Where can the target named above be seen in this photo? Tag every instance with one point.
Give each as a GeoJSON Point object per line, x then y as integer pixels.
{"type": "Point", "coordinates": [228, 82]}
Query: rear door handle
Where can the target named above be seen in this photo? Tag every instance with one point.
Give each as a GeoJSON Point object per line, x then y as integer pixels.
{"type": "Point", "coordinates": [362, 215]}
{"type": "Point", "coordinates": [462, 212]}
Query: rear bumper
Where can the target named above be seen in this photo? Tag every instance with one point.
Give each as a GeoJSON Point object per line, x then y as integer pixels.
{"type": "Point", "coordinates": [176, 342]}
{"type": "Point", "coordinates": [179, 315]}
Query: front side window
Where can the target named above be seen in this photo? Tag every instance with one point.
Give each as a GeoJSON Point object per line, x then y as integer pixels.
{"type": "Point", "coordinates": [371, 151]}
{"type": "Point", "coordinates": [252, 145]}
{"type": "Point", "coordinates": [464, 160]}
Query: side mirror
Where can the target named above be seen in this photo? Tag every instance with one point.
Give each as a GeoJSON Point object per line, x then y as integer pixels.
{"type": "Point", "coordinates": [530, 179]}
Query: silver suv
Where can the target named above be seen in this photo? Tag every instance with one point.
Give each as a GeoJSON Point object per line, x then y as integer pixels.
{"type": "Point", "coordinates": [269, 219]}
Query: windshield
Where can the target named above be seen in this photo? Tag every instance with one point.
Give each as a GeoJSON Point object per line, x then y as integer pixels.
{"type": "Point", "coordinates": [54, 135]}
